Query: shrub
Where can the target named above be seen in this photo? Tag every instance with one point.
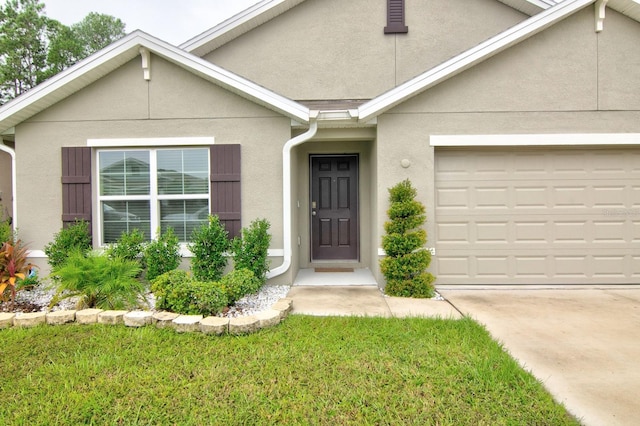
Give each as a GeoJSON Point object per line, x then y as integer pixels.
{"type": "Point", "coordinates": [73, 238]}
{"type": "Point", "coordinates": [406, 261]}
{"type": "Point", "coordinates": [239, 283]}
{"type": "Point", "coordinates": [163, 284]}
{"type": "Point", "coordinates": [162, 255]}
{"type": "Point", "coordinates": [176, 291]}
{"type": "Point", "coordinates": [6, 233]}
{"type": "Point", "coordinates": [250, 250]}
{"type": "Point", "coordinates": [207, 298]}
{"type": "Point", "coordinates": [129, 246]}
{"type": "Point", "coordinates": [209, 246]}
{"type": "Point", "coordinates": [100, 281]}
{"type": "Point", "coordinates": [13, 267]}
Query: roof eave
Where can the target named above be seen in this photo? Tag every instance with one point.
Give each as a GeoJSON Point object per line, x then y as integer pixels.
{"type": "Point", "coordinates": [115, 55]}
{"type": "Point", "coordinates": [237, 25]}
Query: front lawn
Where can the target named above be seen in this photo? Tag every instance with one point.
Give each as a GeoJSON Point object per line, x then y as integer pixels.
{"type": "Point", "coordinates": [307, 370]}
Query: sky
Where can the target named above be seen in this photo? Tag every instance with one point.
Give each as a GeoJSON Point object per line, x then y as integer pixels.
{"type": "Point", "coordinates": [174, 21]}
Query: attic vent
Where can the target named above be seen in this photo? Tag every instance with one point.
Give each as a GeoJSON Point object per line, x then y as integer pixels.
{"type": "Point", "coordinates": [395, 18]}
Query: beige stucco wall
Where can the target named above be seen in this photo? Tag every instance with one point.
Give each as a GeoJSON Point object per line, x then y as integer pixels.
{"type": "Point", "coordinates": [336, 49]}
{"type": "Point", "coordinates": [174, 103]}
{"type": "Point", "coordinates": [5, 186]}
{"type": "Point", "coordinates": [552, 83]}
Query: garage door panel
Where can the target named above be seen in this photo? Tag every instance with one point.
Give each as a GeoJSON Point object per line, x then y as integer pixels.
{"type": "Point", "coordinates": [561, 216]}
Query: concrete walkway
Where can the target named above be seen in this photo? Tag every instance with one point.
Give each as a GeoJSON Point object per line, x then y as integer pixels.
{"type": "Point", "coordinates": [359, 300]}
{"type": "Point", "coordinates": [583, 344]}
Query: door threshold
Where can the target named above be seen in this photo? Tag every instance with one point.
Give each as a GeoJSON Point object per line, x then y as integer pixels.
{"type": "Point", "coordinates": [356, 277]}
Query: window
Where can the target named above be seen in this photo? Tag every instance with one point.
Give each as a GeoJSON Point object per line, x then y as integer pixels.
{"type": "Point", "coordinates": [151, 189]}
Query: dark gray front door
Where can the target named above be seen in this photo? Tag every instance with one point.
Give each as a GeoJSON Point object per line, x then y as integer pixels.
{"type": "Point", "coordinates": [334, 207]}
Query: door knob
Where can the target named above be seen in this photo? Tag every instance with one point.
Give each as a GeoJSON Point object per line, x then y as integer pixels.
{"type": "Point", "coordinates": [313, 213]}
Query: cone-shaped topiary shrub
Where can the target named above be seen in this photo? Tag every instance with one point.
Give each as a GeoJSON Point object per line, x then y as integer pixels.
{"type": "Point", "coordinates": [406, 262]}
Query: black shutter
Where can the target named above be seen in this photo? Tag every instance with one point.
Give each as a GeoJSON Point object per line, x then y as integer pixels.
{"type": "Point", "coordinates": [225, 186]}
{"type": "Point", "coordinates": [395, 18]}
{"type": "Point", "coordinates": [76, 185]}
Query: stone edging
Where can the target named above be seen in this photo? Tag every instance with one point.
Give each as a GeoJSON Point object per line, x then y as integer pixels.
{"type": "Point", "coordinates": [180, 323]}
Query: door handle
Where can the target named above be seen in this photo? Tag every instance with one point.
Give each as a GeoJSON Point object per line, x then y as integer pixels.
{"type": "Point", "coordinates": [313, 213]}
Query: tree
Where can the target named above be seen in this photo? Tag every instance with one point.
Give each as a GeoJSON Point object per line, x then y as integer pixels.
{"type": "Point", "coordinates": [34, 47]}
{"type": "Point", "coordinates": [72, 44]}
{"type": "Point", "coordinates": [406, 262]}
{"type": "Point", "coordinates": [23, 47]}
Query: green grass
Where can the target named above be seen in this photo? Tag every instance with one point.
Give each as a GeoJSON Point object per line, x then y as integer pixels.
{"type": "Point", "coordinates": [307, 370]}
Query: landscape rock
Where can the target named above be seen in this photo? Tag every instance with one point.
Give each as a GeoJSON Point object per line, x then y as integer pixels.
{"type": "Point", "coordinates": [283, 305]}
{"type": "Point", "coordinates": [269, 318]}
{"type": "Point", "coordinates": [137, 318]}
{"type": "Point", "coordinates": [187, 323]}
{"type": "Point", "coordinates": [111, 317]}
{"type": "Point", "coordinates": [87, 316]}
{"type": "Point", "coordinates": [243, 325]}
{"type": "Point", "coordinates": [61, 317]}
{"type": "Point", "coordinates": [163, 319]}
{"type": "Point", "coordinates": [6, 319]}
{"type": "Point", "coordinates": [29, 319]}
{"type": "Point", "coordinates": [214, 325]}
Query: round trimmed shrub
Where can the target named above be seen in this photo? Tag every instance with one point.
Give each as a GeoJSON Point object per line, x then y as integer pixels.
{"type": "Point", "coordinates": [239, 283]}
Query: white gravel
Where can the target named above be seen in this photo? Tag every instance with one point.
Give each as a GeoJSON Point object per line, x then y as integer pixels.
{"type": "Point", "coordinates": [248, 305]}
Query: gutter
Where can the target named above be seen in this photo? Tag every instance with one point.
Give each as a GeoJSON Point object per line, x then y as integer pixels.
{"type": "Point", "coordinates": [286, 193]}
{"type": "Point", "coordinates": [14, 204]}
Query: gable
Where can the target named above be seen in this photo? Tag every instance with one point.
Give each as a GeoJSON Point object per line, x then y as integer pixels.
{"type": "Point", "coordinates": [333, 49]}
{"type": "Point", "coordinates": [141, 46]}
{"type": "Point", "coordinates": [172, 92]}
{"type": "Point", "coordinates": [588, 71]}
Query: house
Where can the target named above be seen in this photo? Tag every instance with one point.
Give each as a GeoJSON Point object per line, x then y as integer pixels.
{"type": "Point", "coordinates": [518, 121]}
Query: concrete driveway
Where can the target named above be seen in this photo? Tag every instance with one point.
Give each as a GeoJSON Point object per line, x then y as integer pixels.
{"type": "Point", "coordinates": [583, 344]}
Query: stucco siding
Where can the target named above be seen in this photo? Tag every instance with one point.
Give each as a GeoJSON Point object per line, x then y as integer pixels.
{"type": "Point", "coordinates": [439, 30]}
{"type": "Point", "coordinates": [209, 112]}
{"type": "Point", "coordinates": [619, 63]}
{"type": "Point", "coordinates": [335, 49]}
{"type": "Point", "coordinates": [122, 94]}
{"type": "Point", "coordinates": [5, 186]}
{"type": "Point", "coordinates": [556, 70]}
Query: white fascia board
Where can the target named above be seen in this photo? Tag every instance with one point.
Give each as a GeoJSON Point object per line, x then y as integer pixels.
{"type": "Point", "coordinates": [69, 81]}
{"type": "Point", "coordinates": [528, 7]}
{"type": "Point", "coordinates": [471, 57]}
{"type": "Point", "coordinates": [237, 25]}
{"type": "Point", "coordinates": [569, 139]}
{"type": "Point", "coordinates": [118, 53]}
{"type": "Point", "coordinates": [148, 142]}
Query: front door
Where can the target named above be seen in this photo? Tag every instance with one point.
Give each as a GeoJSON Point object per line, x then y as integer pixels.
{"type": "Point", "coordinates": [334, 207]}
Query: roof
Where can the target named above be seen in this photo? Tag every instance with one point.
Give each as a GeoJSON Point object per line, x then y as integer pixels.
{"type": "Point", "coordinates": [544, 14]}
{"type": "Point", "coordinates": [117, 54]}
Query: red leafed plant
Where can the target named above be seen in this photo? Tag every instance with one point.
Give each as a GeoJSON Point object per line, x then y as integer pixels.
{"type": "Point", "coordinates": [13, 265]}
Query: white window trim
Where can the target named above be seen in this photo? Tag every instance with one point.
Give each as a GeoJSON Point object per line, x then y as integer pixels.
{"type": "Point", "coordinates": [153, 196]}
{"type": "Point", "coordinates": [569, 139]}
{"type": "Point", "coordinates": [149, 142]}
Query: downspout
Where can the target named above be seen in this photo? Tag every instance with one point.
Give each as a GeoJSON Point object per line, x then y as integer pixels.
{"type": "Point", "coordinates": [286, 195]}
{"type": "Point", "coordinates": [12, 153]}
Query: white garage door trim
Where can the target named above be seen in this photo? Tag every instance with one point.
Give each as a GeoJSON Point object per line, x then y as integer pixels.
{"type": "Point", "coordinates": [568, 139]}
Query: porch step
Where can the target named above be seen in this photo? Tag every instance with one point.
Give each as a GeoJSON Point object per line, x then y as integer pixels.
{"type": "Point", "coordinates": [335, 276]}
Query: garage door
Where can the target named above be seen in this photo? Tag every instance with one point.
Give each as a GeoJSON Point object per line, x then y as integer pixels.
{"type": "Point", "coordinates": [542, 216]}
